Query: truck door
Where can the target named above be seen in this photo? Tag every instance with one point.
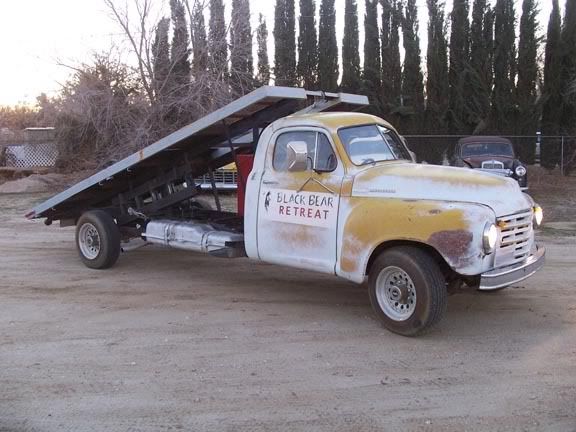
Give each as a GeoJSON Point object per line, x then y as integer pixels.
{"type": "Point", "coordinates": [299, 199]}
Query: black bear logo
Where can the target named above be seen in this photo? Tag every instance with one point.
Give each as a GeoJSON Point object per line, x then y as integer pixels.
{"type": "Point", "coordinates": [267, 201]}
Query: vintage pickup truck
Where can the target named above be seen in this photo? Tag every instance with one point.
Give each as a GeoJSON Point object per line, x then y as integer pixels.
{"type": "Point", "coordinates": [324, 190]}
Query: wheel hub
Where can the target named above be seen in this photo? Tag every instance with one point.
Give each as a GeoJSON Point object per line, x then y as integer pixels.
{"type": "Point", "coordinates": [89, 241]}
{"type": "Point", "coordinates": [399, 292]}
{"type": "Point", "coordinates": [396, 293]}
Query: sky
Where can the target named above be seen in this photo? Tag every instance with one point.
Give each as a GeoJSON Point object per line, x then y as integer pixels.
{"type": "Point", "coordinates": [40, 39]}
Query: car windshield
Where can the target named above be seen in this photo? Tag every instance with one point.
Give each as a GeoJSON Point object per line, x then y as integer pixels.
{"type": "Point", "coordinates": [495, 148]}
{"type": "Point", "coordinates": [372, 143]}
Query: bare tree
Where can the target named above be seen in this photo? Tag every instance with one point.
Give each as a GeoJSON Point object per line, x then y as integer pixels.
{"type": "Point", "coordinates": [109, 109]}
{"type": "Point", "coordinates": [139, 37]}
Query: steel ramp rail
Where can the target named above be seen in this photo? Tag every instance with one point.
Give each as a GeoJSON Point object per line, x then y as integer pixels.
{"type": "Point", "coordinates": [189, 152]}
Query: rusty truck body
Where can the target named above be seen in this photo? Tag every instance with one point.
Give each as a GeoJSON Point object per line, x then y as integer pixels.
{"type": "Point", "coordinates": [321, 188]}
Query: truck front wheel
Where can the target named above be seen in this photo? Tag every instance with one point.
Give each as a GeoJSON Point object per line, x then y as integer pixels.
{"type": "Point", "coordinates": [97, 239]}
{"type": "Point", "coordinates": [407, 290]}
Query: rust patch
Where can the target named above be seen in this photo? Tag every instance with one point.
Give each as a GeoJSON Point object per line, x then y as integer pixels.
{"type": "Point", "coordinates": [453, 244]}
{"type": "Point", "coordinates": [370, 222]}
{"type": "Point", "coordinates": [299, 236]}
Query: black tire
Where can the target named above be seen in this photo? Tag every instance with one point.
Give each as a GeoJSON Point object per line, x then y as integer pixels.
{"type": "Point", "coordinates": [423, 293]}
{"type": "Point", "coordinates": [106, 252]}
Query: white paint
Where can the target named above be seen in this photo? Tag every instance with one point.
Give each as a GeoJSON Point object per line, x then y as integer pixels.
{"type": "Point", "coordinates": [439, 183]}
{"type": "Point", "coordinates": [285, 233]}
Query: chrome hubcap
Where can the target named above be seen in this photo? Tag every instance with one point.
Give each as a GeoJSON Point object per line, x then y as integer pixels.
{"type": "Point", "coordinates": [395, 293]}
{"type": "Point", "coordinates": [89, 241]}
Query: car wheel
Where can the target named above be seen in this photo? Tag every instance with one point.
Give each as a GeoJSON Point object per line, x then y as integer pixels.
{"type": "Point", "coordinates": [97, 239]}
{"type": "Point", "coordinates": [407, 290]}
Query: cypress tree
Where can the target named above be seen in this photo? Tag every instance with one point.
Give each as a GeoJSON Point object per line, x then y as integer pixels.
{"type": "Point", "coordinates": [350, 49]}
{"type": "Point", "coordinates": [161, 58]}
{"type": "Point", "coordinates": [279, 33]}
{"type": "Point", "coordinates": [263, 75]}
{"type": "Point", "coordinates": [180, 53]}
{"type": "Point", "coordinates": [437, 67]}
{"type": "Point", "coordinates": [291, 41]}
{"type": "Point", "coordinates": [552, 92]}
{"type": "Point", "coordinates": [568, 74]}
{"type": "Point", "coordinates": [307, 46]}
{"type": "Point", "coordinates": [284, 43]}
{"type": "Point", "coordinates": [477, 45]}
{"type": "Point", "coordinates": [459, 51]}
{"type": "Point", "coordinates": [372, 68]}
{"type": "Point", "coordinates": [241, 48]}
{"type": "Point", "coordinates": [503, 104]}
{"type": "Point", "coordinates": [390, 47]}
{"type": "Point", "coordinates": [527, 120]}
{"type": "Point", "coordinates": [327, 48]}
{"type": "Point", "coordinates": [412, 80]}
{"type": "Point", "coordinates": [217, 44]}
{"type": "Point", "coordinates": [199, 41]}
{"type": "Point", "coordinates": [479, 71]}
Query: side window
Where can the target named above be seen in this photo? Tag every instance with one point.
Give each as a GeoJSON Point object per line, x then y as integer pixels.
{"type": "Point", "coordinates": [320, 153]}
{"type": "Point", "coordinates": [279, 161]}
{"type": "Point", "coordinates": [325, 159]}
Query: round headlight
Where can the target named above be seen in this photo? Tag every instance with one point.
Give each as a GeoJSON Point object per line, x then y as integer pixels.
{"type": "Point", "coordinates": [489, 237]}
{"type": "Point", "coordinates": [538, 215]}
{"type": "Point", "coordinates": [520, 171]}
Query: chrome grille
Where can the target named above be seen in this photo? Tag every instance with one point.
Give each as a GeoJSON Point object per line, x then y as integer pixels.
{"type": "Point", "coordinates": [516, 238]}
{"type": "Point", "coordinates": [492, 164]}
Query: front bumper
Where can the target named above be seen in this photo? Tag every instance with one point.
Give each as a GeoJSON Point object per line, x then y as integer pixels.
{"type": "Point", "coordinates": [504, 276]}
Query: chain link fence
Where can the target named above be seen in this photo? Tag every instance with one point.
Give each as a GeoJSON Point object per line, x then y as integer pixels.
{"type": "Point", "coordinates": [30, 148]}
{"type": "Point", "coordinates": [548, 151]}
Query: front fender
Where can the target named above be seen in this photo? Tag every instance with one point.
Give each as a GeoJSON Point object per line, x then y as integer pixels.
{"type": "Point", "coordinates": [453, 229]}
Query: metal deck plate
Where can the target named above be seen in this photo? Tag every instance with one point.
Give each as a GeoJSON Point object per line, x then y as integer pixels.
{"type": "Point", "coordinates": [195, 142]}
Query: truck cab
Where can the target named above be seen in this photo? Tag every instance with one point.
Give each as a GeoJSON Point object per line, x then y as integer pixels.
{"type": "Point", "coordinates": [340, 193]}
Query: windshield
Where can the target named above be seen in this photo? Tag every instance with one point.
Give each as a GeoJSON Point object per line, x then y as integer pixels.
{"type": "Point", "coordinates": [495, 148]}
{"type": "Point", "coordinates": [372, 143]}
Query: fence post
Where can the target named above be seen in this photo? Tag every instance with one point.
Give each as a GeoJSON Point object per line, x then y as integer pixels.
{"type": "Point", "coordinates": [537, 150]}
{"type": "Point", "coordinates": [562, 156]}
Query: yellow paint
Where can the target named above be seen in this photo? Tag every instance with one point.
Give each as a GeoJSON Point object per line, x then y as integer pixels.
{"type": "Point", "coordinates": [370, 222]}
{"type": "Point", "coordinates": [347, 184]}
{"type": "Point", "coordinates": [302, 181]}
{"type": "Point", "coordinates": [430, 173]}
{"type": "Point", "coordinates": [336, 120]}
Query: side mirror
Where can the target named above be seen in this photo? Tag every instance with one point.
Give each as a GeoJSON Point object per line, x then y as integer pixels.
{"type": "Point", "coordinates": [297, 156]}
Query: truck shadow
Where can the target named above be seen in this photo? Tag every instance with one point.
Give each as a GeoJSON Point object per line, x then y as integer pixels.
{"type": "Point", "coordinates": [246, 283]}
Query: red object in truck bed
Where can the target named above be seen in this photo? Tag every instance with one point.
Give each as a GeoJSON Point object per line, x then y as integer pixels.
{"type": "Point", "coordinates": [244, 164]}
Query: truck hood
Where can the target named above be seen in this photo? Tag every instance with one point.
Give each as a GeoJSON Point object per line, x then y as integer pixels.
{"type": "Point", "coordinates": [410, 181]}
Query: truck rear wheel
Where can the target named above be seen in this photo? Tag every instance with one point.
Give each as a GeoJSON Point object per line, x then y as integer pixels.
{"type": "Point", "coordinates": [407, 290]}
{"type": "Point", "coordinates": [97, 239]}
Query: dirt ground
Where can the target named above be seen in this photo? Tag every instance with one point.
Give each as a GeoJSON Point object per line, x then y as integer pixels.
{"type": "Point", "coordinates": [168, 340]}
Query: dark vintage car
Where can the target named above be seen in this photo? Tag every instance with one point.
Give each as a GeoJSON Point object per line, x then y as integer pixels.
{"type": "Point", "coordinates": [490, 154]}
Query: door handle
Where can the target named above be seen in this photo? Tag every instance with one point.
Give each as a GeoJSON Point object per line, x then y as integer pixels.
{"type": "Point", "coordinates": [269, 182]}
